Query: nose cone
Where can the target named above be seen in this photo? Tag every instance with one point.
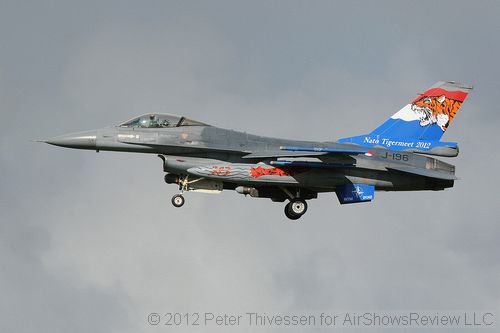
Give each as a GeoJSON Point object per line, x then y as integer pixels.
{"type": "Point", "coordinates": [80, 140]}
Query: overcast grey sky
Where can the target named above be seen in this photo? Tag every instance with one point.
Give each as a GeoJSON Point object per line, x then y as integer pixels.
{"type": "Point", "coordinates": [90, 242]}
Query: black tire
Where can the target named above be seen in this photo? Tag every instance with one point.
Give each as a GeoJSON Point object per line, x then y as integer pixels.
{"type": "Point", "coordinates": [290, 214]}
{"type": "Point", "coordinates": [298, 207]}
{"type": "Point", "coordinates": [178, 200]}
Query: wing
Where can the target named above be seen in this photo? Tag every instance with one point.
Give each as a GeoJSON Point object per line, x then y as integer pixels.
{"type": "Point", "coordinates": [309, 157]}
{"type": "Point", "coordinates": [296, 151]}
{"type": "Point", "coordinates": [281, 153]}
{"type": "Point", "coordinates": [329, 150]}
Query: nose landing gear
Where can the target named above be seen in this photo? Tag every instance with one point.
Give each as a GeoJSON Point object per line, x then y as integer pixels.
{"type": "Point", "coordinates": [178, 200]}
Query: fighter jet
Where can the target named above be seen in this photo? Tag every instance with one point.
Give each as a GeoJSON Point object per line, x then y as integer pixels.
{"type": "Point", "coordinates": [198, 157]}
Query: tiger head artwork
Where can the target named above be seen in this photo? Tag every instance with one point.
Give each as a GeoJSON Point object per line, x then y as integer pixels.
{"type": "Point", "coordinates": [438, 110]}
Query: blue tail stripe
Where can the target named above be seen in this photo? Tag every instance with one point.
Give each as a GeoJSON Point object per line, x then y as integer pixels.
{"type": "Point", "coordinates": [397, 128]}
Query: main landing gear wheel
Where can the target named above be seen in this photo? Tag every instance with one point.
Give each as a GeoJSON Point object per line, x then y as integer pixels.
{"type": "Point", "coordinates": [288, 214]}
{"type": "Point", "coordinates": [178, 200]}
{"type": "Point", "coordinates": [295, 209]}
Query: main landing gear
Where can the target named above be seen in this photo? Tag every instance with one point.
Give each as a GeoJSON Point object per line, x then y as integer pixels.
{"type": "Point", "coordinates": [295, 209]}
{"type": "Point", "coordinates": [297, 205]}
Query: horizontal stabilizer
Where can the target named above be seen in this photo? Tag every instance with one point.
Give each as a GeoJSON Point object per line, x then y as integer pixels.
{"type": "Point", "coordinates": [424, 172]}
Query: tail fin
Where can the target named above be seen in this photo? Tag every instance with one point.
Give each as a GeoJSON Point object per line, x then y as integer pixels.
{"type": "Point", "coordinates": [428, 116]}
{"type": "Point", "coordinates": [419, 126]}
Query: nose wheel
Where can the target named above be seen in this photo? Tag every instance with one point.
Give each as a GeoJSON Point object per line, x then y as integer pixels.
{"type": "Point", "coordinates": [178, 200]}
{"type": "Point", "coordinates": [295, 209]}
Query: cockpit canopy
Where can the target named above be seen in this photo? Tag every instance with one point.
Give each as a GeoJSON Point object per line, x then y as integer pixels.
{"type": "Point", "coordinates": [156, 120]}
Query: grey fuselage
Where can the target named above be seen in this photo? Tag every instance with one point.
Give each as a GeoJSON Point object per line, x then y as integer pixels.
{"type": "Point", "coordinates": [199, 150]}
